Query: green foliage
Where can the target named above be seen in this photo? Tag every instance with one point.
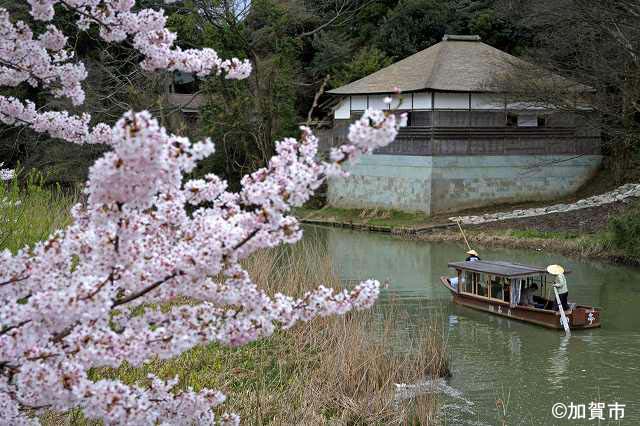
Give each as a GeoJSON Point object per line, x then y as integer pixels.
{"type": "Point", "coordinates": [31, 211]}
{"type": "Point", "coordinates": [411, 26]}
{"type": "Point", "coordinates": [366, 61]}
{"type": "Point", "coordinates": [331, 51]}
{"type": "Point", "coordinates": [625, 231]}
{"type": "Point", "coordinates": [547, 235]}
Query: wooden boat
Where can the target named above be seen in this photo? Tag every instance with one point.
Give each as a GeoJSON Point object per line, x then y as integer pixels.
{"type": "Point", "coordinates": [495, 287]}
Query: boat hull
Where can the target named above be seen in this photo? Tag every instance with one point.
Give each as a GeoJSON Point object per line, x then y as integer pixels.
{"type": "Point", "coordinates": [580, 317]}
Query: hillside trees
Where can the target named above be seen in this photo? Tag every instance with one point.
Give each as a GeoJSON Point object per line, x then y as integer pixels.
{"type": "Point", "coordinates": [597, 44]}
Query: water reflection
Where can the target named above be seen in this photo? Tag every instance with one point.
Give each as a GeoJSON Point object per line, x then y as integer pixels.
{"type": "Point", "coordinates": [497, 358]}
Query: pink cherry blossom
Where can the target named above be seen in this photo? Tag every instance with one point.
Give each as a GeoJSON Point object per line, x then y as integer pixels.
{"type": "Point", "coordinates": [147, 234]}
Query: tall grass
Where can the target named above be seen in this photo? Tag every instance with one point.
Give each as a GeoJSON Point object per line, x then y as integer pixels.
{"type": "Point", "coordinates": [335, 370]}
{"type": "Point", "coordinates": [31, 211]}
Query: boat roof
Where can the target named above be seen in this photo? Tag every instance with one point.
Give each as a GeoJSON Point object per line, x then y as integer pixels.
{"type": "Point", "coordinates": [505, 269]}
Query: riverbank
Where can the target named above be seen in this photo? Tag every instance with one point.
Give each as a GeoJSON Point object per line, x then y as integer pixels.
{"type": "Point", "coordinates": [584, 233]}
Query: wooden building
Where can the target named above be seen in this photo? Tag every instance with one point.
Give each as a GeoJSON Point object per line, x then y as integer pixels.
{"type": "Point", "coordinates": [469, 142]}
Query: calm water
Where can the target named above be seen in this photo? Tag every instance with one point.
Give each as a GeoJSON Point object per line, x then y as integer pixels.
{"type": "Point", "coordinates": [496, 358]}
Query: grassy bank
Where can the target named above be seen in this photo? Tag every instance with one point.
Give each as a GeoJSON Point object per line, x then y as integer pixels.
{"type": "Point", "coordinates": [338, 370]}
{"type": "Point", "coordinates": [592, 246]}
{"type": "Point", "coordinates": [376, 217]}
{"type": "Point", "coordinates": [30, 211]}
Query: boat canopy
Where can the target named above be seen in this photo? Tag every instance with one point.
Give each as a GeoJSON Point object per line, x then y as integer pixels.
{"type": "Point", "coordinates": [503, 269]}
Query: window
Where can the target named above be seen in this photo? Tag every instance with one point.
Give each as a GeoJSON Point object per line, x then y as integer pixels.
{"type": "Point", "coordinates": [468, 280]}
{"type": "Point", "coordinates": [542, 121]}
{"type": "Point", "coordinates": [481, 286]}
{"type": "Point", "coordinates": [497, 288]}
{"type": "Point", "coordinates": [526, 120]}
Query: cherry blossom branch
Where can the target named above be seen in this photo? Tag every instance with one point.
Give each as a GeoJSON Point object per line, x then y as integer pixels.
{"type": "Point", "coordinates": [141, 293]}
{"type": "Point", "coordinates": [143, 223]}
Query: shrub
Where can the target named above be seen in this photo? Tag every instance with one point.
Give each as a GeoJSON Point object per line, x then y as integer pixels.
{"type": "Point", "coordinates": [625, 231]}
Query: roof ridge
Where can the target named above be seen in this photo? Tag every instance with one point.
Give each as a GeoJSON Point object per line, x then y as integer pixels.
{"type": "Point", "coordinates": [436, 65]}
{"type": "Point", "coordinates": [459, 37]}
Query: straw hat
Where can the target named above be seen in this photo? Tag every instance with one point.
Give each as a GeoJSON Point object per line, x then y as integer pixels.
{"type": "Point", "coordinates": [472, 253]}
{"type": "Point", "coordinates": [555, 269]}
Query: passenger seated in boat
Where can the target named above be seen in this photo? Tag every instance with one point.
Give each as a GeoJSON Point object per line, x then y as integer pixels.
{"type": "Point", "coordinates": [526, 295]}
{"type": "Point", "coordinates": [473, 256]}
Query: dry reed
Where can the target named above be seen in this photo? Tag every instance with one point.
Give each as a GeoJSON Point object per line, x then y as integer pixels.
{"type": "Point", "coordinates": [352, 362]}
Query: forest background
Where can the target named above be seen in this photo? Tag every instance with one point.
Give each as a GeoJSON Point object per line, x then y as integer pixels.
{"type": "Point", "coordinates": [297, 45]}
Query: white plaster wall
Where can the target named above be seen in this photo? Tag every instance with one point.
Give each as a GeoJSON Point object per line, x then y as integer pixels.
{"type": "Point", "coordinates": [451, 100]}
{"type": "Point", "coordinates": [377, 102]}
{"type": "Point", "coordinates": [422, 100]}
{"type": "Point", "coordinates": [343, 110]}
{"type": "Point", "coordinates": [358, 102]}
{"type": "Point", "coordinates": [400, 101]}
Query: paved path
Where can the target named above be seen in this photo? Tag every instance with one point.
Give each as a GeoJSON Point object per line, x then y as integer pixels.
{"type": "Point", "coordinates": [621, 193]}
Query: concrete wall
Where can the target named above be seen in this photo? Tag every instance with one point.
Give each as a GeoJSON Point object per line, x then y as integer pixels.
{"type": "Point", "coordinates": [388, 181]}
{"type": "Point", "coordinates": [450, 183]}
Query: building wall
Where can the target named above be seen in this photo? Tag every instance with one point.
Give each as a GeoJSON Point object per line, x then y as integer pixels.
{"type": "Point", "coordinates": [436, 184]}
{"type": "Point", "coordinates": [460, 182]}
{"type": "Point", "coordinates": [388, 181]}
{"type": "Point", "coordinates": [465, 150]}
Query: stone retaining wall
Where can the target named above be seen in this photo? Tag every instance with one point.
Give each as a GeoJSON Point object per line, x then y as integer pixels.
{"type": "Point", "coordinates": [437, 184]}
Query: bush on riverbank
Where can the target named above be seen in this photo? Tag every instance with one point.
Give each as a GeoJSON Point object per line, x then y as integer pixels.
{"type": "Point", "coordinates": [625, 231]}
{"type": "Point", "coordinates": [337, 369]}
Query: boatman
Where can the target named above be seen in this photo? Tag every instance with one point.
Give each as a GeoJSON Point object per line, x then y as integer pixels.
{"type": "Point", "coordinates": [473, 256]}
{"type": "Point", "coordinates": [560, 284]}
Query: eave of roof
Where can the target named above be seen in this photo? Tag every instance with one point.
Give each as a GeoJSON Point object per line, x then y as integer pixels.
{"type": "Point", "coordinates": [505, 269]}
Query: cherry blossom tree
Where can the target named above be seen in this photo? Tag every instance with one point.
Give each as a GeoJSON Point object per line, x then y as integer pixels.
{"type": "Point", "coordinates": [146, 235]}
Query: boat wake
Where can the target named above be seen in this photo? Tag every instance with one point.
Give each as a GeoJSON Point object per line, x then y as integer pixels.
{"type": "Point", "coordinates": [455, 409]}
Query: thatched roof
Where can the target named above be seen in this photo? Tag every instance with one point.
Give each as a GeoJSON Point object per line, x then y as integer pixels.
{"type": "Point", "coordinates": [457, 63]}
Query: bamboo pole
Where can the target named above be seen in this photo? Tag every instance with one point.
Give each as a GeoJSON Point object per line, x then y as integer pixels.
{"type": "Point", "coordinates": [565, 322]}
{"type": "Point", "coordinates": [463, 236]}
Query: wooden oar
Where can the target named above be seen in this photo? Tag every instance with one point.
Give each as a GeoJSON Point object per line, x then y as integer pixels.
{"type": "Point", "coordinates": [565, 321]}
{"type": "Point", "coordinates": [463, 236]}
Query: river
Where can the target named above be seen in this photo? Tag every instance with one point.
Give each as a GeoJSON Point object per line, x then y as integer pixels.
{"type": "Point", "coordinates": [529, 367]}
